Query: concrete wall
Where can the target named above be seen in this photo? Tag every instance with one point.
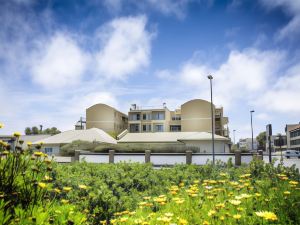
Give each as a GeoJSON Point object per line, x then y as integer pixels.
{"type": "Point", "coordinates": [195, 146]}
{"type": "Point", "coordinates": [206, 146]}
{"type": "Point", "coordinates": [196, 116]}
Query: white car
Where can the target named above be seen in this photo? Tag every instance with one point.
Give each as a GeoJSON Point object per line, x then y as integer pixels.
{"type": "Point", "coordinates": [292, 153]}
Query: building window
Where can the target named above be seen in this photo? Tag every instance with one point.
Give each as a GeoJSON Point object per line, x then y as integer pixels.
{"type": "Point", "coordinates": [176, 117]}
{"type": "Point", "coordinates": [134, 117]}
{"type": "Point", "coordinates": [175, 128]}
{"type": "Point", "coordinates": [134, 128]}
{"type": "Point", "coordinates": [147, 116]}
{"type": "Point", "coordinates": [48, 151]}
{"type": "Point", "coordinates": [159, 128]}
{"type": "Point", "coordinates": [146, 127]}
{"type": "Point", "coordinates": [295, 142]}
{"type": "Point", "coordinates": [158, 115]}
{"type": "Point", "coordinates": [295, 133]}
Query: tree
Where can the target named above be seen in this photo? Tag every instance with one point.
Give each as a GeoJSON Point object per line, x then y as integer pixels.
{"type": "Point", "coordinates": [54, 131]}
{"type": "Point", "coordinates": [261, 139]}
{"type": "Point", "coordinates": [35, 130]}
{"type": "Point", "coordinates": [28, 131]}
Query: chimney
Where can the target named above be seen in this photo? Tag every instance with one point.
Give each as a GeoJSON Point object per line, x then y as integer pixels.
{"type": "Point", "coordinates": [164, 105]}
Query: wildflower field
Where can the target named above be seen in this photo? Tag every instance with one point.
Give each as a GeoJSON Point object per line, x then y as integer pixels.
{"type": "Point", "coordinates": [35, 190]}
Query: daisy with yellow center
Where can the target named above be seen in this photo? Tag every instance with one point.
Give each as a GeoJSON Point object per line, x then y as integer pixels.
{"type": "Point", "coordinates": [235, 202]}
{"type": "Point", "coordinates": [67, 189]}
{"type": "Point", "coordinates": [42, 185]}
{"type": "Point", "coordinates": [237, 216]}
{"type": "Point", "coordinates": [267, 215]}
{"type": "Point", "coordinates": [17, 134]}
{"type": "Point", "coordinates": [81, 186]}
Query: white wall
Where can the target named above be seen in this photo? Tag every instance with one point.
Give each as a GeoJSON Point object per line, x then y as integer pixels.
{"type": "Point", "coordinates": [206, 146]}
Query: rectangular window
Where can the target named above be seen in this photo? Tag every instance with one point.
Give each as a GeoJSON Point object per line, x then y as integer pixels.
{"type": "Point", "coordinates": [175, 128]}
{"type": "Point", "coordinates": [295, 133]}
{"type": "Point", "coordinates": [158, 115]}
{"type": "Point", "coordinates": [134, 117]}
{"type": "Point", "coordinates": [147, 116]}
{"type": "Point", "coordinates": [159, 128]}
{"type": "Point", "coordinates": [176, 117]}
{"type": "Point", "coordinates": [146, 127]}
{"type": "Point", "coordinates": [48, 151]}
{"type": "Point", "coordinates": [134, 128]}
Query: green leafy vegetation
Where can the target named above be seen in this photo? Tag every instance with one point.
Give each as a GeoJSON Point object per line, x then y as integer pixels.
{"type": "Point", "coordinates": [35, 190]}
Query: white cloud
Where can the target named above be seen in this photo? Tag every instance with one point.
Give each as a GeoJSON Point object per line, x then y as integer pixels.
{"type": "Point", "coordinates": [242, 76]}
{"type": "Point", "coordinates": [164, 74]}
{"type": "Point", "coordinates": [127, 47]}
{"type": "Point", "coordinates": [193, 74]}
{"type": "Point", "coordinates": [78, 104]}
{"type": "Point", "coordinates": [177, 8]}
{"type": "Point", "coordinates": [284, 95]}
{"type": "Point", "coordinates": [61, 63]}
{"type": "Point", "coordinates": [292, 8]}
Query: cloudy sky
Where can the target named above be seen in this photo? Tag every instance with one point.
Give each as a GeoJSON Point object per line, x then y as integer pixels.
{"type": "Point", "coordinates": [59, 57]}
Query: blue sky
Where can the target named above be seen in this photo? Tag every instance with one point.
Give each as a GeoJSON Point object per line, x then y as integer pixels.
{"type": "Point", "coordinates": [59, 57]}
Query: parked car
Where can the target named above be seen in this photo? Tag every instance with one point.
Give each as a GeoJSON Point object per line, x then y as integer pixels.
{"type": "Point", "coordinates": [292, 153]}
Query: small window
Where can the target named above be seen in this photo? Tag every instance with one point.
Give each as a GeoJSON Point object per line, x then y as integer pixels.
{"type": "Point", "coordinates": [48, 151]}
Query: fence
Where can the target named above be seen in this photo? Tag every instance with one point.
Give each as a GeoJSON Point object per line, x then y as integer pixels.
{"type": "Point", "coordinates": [160, 159]}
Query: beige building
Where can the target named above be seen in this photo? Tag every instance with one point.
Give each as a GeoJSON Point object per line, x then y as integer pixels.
{"type": "Point", "coordinates": [106, 118]}
{"type": "Point", "coordinates": [293, 136]}
{"type": "Point", "coordinates": [193, 116]}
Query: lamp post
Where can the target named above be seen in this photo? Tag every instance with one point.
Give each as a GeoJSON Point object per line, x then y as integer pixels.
{"type": "Point", "coordinates": [210, 77]}
{"type": "Point", "coordinates": [234, 137]}
{"type": "Point", "coordinates": [252, 111]}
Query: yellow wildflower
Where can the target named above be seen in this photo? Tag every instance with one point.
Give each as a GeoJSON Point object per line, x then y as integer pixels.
{"type": "Point", "coordinates": [220, 205]}
{"type": "Point", "coordinates": [123, 219]}
{"type": "Point", "coordinates": [56, 190]}
{"type": "Point", "coordinates": [169, 214]}
{"type": "Point", "coordinates": [287, 193]}
{"type": "Point", "coordinates": [42, 185]}
{"type": "Point", "coordinates": [17, 134]}
{"type": "Point", "coordinates": [29, 143]}
{"type": "Point", "coordinates": [81, 186]}
{"type": "Point", "coordinates": [182, 222]}
{"type": "Point", "coordinates": [38, 154]}
{"type": "Point", "coordinates": [267, 215]}
{"type": "Point", "coordinates": [1, 125]}
{"type": "Point", "coordinates": [235, 202]}
{"type": "Point", "coordinates": [205, 222]}
{"type": "Point", "coordinates": [211, 212]}
{"type": "Point", "coordinates": [64, 201]}
{"type": "Point", "coordinates": [67, 189]}
{"type": "Point", "coordinates": [292, 182]}
{"type": "Point", "coordinates": [5, 152]}
{"type": "Point", "coordinates": [237, 216]}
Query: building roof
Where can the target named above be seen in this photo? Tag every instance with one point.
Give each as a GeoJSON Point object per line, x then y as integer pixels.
{"type": "Point", "coordinates": [93, 134]}
{"type": "Point", "coordinates": [169, 137]}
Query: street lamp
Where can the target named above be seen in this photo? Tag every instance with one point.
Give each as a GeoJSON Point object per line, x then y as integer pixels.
{"type": "Point", "coordinates": [210, 77]}
{"type": "Point", "coordinates": [252, 111]}
{"type": "Point", "coordinates": [234, 137]}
